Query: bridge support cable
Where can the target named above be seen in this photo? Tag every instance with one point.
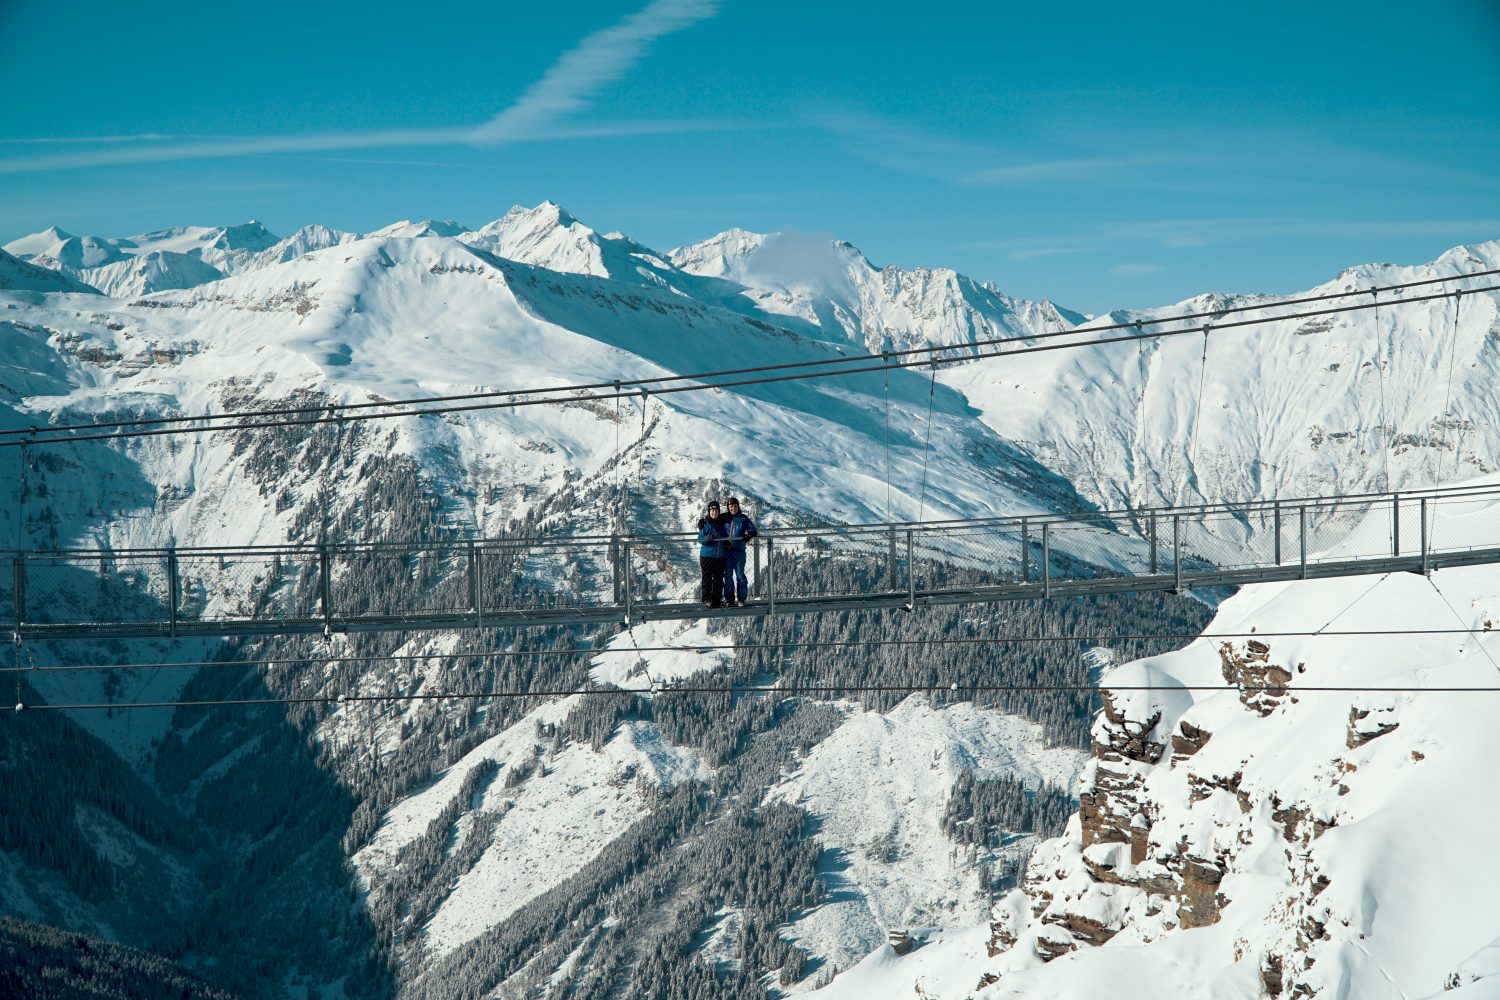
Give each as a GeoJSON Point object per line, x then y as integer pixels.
{"type": "Point", "coordinates": [1449, 422]}
{"type": "Point", "coordinates": [1386, 433]}
{"type": "Point", "coordinates": [885, 358]}
{"type": "Point", "coordinates": [700, 381]}
{"type": "Point", "coordinates": [927, 442]}
{"type": "Point", "coordinates": [1198, 413]}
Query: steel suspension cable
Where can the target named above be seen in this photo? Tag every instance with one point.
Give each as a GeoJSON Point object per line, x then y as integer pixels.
{"type": "Point", "coordinates": [927, 442]}
{"type": "Point", "coordinates": [491, 393]}
{"type": "Point", "coordinates": [1449, 421]}
{"type": "Point", "coordinates": [556, 395]}
{"type": "Point", "coordinates": [791, 690]}
{"type": "Point", "coordinates": [1386, 433]}
{"type": "Point", "coordinates": [1082, 638]}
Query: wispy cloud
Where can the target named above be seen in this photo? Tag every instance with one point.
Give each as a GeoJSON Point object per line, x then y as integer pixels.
{"type": "Point", "coordinates": [1084, 168]}
{"type": "Point", "coordinates": [88, 140]}
{"type": "Point", "coordinates": [601, 58]}
{"type": "Point", "coordinates": [1180, 234]}
{"type": "Point", "coordinates": [1134, 270]}
{"type": "Point", "coordinates": [566, 88]}
{"type": "Point", "coordinates": [1033, 253]}
{"type": "Point", "coordinates": [902, 147]}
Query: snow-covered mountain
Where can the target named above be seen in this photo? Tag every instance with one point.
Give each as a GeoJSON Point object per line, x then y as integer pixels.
{"type": "Point", "coordinates": [692, 846]}
{"type": "Point", "coordinates": [777, 277]}
{"type": "Point", "coordinates": [831, 284]}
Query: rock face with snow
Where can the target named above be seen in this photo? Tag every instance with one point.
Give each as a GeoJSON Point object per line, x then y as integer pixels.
{"type": "Point", "coordinates": [1276, 850]}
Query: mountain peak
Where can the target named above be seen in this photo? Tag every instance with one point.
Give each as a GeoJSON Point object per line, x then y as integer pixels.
{"type": "Point", "coordinates": [410, 229]}
{"type": "Point", "coordinates": [37, 243]}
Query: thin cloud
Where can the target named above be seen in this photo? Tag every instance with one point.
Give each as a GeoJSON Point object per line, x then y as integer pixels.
{"type": "Point", "coordinates": [1133, 270]}
{"type": "Point", "coordinates": [1078, 168]}
{"type": "Point", "coordinates": [899, 146]}
{"type": "Point", "coordinates": [599, 59]}
{"type": "Point", "coordinates": [565, 88]}
{"type": "Point", "coordinates": [1035, 252]}
{"type": "Point", "coordinates": [1181, 234]}
{"type": "Point", "coordinates": [81, 140]}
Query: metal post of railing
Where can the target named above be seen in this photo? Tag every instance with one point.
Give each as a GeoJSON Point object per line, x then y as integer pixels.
{"type": "Point", "coordinates": [1302, 540]}
{"type": "Point", "coordinates": [1426, 548]}
{"type": "Point", "coordinates": [890, 558]}
{"type": "Point", "coordinates": [172, 591]}
{"type": "Point", "coordinates": [1153, 544]}
{"type": "Point", "coordinates": [1047, 559]}
{"type": "Point", "coordinates": [1025, 550]}
{"type": "Point", "coordinates": [771, 574]}
{"type": "Point", "coordinates": [1276, 522]}
{"type": "Point", "coordinates": [1396, 525]}
{"type": "Point", "coordinates": [911, 571]}
{"type": "Point", "coordinates": [473, 581]}
{"type": "Point", "coordinates": [614, 568]}
{"type": "Point", "coordinates": [755, 583]}
{"type": "Point", "coordinates": [1176, 553]}
{"type": "Point", "coordinates": [476, 564]}
{"type": "Point", "coordinates": [625, 575]}
{"type": "Point", "coordinates": [325, 591]}
{"type": "Point", "coordinates": [20, 589]}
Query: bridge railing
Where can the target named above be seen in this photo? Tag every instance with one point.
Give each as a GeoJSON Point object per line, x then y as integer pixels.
{"type": "Point", "coordinates": [465, 580]}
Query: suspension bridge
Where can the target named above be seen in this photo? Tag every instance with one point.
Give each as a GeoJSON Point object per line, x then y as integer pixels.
{"type": "Point", "coordinates": [510, 582]}
{"type": "Point", "coordinates": [579, 580]}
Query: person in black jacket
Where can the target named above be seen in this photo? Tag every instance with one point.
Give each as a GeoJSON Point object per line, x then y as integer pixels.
{"type": "Point", "coordinates": [738, 529]}
{"type": "Point", "coordinates": [711, 535]}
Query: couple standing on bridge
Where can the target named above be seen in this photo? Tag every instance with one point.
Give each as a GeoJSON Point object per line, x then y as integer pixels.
{"type": "Point", "coordinates": [721, 553]}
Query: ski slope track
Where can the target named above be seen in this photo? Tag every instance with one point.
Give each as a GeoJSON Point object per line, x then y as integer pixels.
{"type": "Point", "coordinates": [1305, 843]}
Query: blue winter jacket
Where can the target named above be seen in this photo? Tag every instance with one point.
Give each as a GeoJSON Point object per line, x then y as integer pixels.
{"type": "Point", "coordinates": [738, 529]}
{"type": "Point", "coordinates": [711, 540]}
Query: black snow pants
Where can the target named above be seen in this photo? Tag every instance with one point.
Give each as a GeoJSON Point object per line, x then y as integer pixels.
{"type": "Point", "coordinates": [713, 579]}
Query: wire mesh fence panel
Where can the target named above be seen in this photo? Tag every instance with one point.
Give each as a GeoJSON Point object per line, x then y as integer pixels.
{"type": "Point", "coordinates": [1352, 529]}
{"type": "Point", "coordinates": [430, 579]}
{"type": "Point", "coordinates": [965, 556]}
{"type": "Point", "coordinates": [540, 574]}
{"type": "Point", "coordinates": [663, 569]}
{"type": "Point", "coordinates": [8, 571]}
{"type": "Point", "coordinates": [1089, 548]}
{"type": "Point", "coordinates": [1227, 539]}
{"type": "Point", "coordinates": [830, 562]}
{"type": "Point", "coordinates": [1464, 524]}
{"type": "Point", "coordinates": [246, 586]}
{"type": "Point", "coordinates": [103, 587]}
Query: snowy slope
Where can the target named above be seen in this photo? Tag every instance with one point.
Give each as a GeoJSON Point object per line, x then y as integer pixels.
{"type": "Point", "coordinates": [19, 276]}
{"type": "Point", "coordinates": [878, 787]}
{"type": "Point", "coordinates": [1336, 404]}
{"type": "Point", "coordinates": [1329, 841]}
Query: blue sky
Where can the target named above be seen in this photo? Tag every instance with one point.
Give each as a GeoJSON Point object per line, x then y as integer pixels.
{"type": "Point", "coordinates": [1097, 153]}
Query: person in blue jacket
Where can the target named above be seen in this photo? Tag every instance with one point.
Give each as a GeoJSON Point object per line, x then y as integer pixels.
{"type": "Point", "coordinates": [711, 536]}
{"type": "Point", "coordinates": [738, 530]}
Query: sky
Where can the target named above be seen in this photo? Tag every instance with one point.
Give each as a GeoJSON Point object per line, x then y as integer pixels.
{"type": "Point", "coordinates": [1100, 154]}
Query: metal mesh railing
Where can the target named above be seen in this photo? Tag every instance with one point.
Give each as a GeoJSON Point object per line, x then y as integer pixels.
{"type": "Point", "coordinates": [471, 579]}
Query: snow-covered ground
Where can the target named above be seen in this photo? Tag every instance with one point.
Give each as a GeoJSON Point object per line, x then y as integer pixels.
{"type": "Point", "coordinates": [1353, 827]}
{"type": "Point", "coordinates": [877, 788]}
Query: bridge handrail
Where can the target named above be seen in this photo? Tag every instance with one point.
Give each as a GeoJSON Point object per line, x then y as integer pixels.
{"type": "Point", "coordinates": [1110, 520]}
